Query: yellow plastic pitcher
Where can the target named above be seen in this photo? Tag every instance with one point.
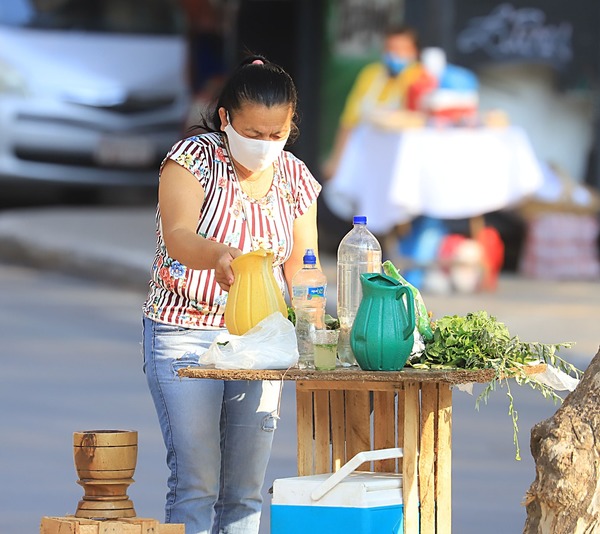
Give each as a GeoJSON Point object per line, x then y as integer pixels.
{"type": "Point", "coordinates": [254, 293]}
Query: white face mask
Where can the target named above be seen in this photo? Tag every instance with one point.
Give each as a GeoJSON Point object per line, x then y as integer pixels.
{"type": "Point", "coordinates": [254, 154]}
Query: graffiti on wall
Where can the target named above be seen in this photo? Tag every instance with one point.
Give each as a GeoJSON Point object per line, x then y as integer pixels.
{"type": "Point", "coordinates": [524, 33]}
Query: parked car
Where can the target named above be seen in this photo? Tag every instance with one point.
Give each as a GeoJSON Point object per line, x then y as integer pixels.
{"type": "Point", "coordinates": [90, 92]}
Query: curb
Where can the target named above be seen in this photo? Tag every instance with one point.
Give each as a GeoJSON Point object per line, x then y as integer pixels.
{"type": "Point", "coordinates": [107, 245]}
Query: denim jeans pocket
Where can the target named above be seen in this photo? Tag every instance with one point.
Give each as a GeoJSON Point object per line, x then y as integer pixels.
{"type": "Point", "coordinates": [189, 359]}
{"type": "Point", "coordinates": [162, 329]}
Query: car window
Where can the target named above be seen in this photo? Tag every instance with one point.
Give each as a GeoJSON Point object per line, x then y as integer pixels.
{"type": "Point", "coordinates": [108, 16]}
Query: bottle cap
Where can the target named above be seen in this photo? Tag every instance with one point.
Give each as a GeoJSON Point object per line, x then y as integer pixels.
{"type": "Point", "coordinates": [360, 219]}
{"type": "Point", "coordinates": [309, 257]}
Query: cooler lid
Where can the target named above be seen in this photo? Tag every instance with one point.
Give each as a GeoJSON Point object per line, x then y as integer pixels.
{"type": "Point", "coordinates": [360, 489]}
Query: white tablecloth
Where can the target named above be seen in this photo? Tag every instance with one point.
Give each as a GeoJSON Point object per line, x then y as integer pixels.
{"type": "Point", "coordinates": [392, 177]}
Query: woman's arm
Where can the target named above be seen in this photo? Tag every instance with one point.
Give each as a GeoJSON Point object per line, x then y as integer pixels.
{"type": "Point", "coordinates": [305, 236]}
{"type": "Point", "coordinates": [180, 197]}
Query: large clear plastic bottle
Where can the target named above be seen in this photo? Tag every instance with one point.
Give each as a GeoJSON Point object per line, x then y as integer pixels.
{"type": "Point", "coordinates": [359, 252]}
{"type": "Point", "coordinates": [309, 290]}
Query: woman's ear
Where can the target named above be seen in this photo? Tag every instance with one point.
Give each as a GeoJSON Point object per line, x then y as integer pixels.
{"type": "Point", "coordinates": [223, 117]}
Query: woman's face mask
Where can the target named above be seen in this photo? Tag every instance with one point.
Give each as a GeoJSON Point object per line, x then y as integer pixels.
{"type": "Point", "coordinates": [254, 154]}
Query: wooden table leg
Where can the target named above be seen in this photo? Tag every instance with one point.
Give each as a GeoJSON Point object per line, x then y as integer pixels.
{"type": "Point", "coordinates": [384, 425]}
{"type": "Point", "coordinates": [338, 430]}
{"type": "Point", "coordinates": [358, 429]}
{"type": "Point", "coordinates": [322, 437]}
{"type": "Point", "coordinates": [429, 401]}
{"type": "Point", "coordinates": [444, 460]}
{"type": "Point", "coordinates": [304, 422]}
{"type": "Point", "coordinates": [410, 491]}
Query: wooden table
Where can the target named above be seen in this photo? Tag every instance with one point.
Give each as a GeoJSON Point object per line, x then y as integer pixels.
{"type": "Point", "coordinates": [343, 412]}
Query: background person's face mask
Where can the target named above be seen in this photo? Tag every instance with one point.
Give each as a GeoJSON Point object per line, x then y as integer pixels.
{"type": "Point", "coordinates": [254, 154]}
{"type": "Point", "coordinates": [394, 63]}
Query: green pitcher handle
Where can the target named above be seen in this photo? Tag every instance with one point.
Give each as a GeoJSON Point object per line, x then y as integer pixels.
{"type": "Point", "coordinates": [410, 304]}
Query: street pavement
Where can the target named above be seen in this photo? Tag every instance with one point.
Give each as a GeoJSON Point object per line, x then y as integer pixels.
{"type": "Point", "coordinates": [116, 245]}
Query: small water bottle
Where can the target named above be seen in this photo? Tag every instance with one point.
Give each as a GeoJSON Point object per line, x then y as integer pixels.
{"type": "Point", "coordinates": [359, 252]}
{"type": "Point", "coordinates": [309, 287]}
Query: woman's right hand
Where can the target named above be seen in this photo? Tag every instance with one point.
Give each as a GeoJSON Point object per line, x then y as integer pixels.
{"type": "Point", "coordinates": [223, 271]}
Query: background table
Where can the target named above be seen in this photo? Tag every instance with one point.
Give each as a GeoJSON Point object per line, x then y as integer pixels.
{"type": "Point", "coordinates": [346, 411]}
{"type": "Point", "coordinates": [454, 173]}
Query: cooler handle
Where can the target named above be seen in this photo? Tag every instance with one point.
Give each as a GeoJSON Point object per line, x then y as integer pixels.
{"type": "Point", "coordinates": [351, 465]}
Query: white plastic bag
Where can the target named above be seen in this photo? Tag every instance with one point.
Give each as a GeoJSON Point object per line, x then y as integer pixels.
{"type": "Point", "coordinates": [556, 379]}
{"type": "Point", "coordinates": [271, 344]}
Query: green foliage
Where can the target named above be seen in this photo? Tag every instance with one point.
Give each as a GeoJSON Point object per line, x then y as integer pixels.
{"type": "Point", "coordinates": [422, 316]}
{"type": "Point", "coordinates": [478, 341]}
{"type": "Point", "coordinates": [291, 315]}
{"type": "Point", "coordinates": [331, 323]}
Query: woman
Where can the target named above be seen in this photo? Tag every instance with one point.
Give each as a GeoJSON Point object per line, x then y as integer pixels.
{"type": "Point", "coordinates": [221, 194]}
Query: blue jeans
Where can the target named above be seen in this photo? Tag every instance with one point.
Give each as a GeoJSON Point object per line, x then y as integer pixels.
{"type": "Point", "coordinates": [218, 434]}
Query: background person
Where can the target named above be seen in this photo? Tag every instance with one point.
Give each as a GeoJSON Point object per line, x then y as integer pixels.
{"type": "Point", "coordinates": [382, 85]}
{"type": "Point", "coordinates": [221, 194]}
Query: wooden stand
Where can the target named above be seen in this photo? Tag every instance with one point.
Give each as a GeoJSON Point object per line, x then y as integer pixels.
{"type": "Point", "coordinates": [134, 525]}
{"type": "Point", "coordinates": [415, 416]}
{"type": "Point", "coordinates": [343, 412]}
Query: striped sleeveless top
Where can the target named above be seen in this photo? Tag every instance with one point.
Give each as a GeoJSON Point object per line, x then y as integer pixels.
{"type": "Point", "coordinates": [191, 298]}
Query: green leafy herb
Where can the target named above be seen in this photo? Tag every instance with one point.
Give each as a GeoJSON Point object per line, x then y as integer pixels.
{"type": "Point", "coordinates": [291, 315]}
{"type": "Point", "coordinates": [479, 341]}
{"type": "Point", "coordinates": [422, 316]}
{"type": "Point", "coordinates": [331, 323]}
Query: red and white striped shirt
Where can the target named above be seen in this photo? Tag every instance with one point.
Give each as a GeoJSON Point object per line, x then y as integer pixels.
{"type": "Point", "coordinates": [192, 298]}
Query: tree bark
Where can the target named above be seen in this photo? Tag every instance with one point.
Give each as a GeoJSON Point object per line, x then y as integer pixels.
{"type": "Point", "coordinates": [565, 496]}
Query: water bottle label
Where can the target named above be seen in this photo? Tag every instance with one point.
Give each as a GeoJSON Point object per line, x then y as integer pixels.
{"type": "Point", "coordinates": [308, 292]}
{"type": "Point", "coordinates": [297, 292]}
{"type": "Point", "coordinates": [316, 292]}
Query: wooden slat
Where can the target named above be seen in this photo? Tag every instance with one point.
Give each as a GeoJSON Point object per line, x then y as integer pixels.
{"type": "Point", "coordinates": [357, 386]}
{"type": "Point", "coordinates": [429, 398]}
{"type": "Point", "coordinates": [358, 427]}
{"type": "Point", "coordinates": [113, 527]}
{"type": "Point", "coordinates": [409, 470]}
{"type": "Point", "coordinates": [384, 428]}
{"type": "Point", "coordinates": [304, 422]}
{"type": "Point", "coordinates": [133, 525]}
{"type": "Point", "coordinates": [400, 422]}
{"type": "Point", "coordinates": [444, 461]}
{"type": "Point", "coordinates": [147, 526]}
{"type": "Point", "coordinates": [321, 408]}
{"type": "Point", "coordinates": [54, 525]}
{"type": "Point", "coordinates": [338, 430]}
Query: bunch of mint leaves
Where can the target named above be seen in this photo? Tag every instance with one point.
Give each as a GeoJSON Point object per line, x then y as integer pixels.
{"type": "Point", "coordinates": [479, 341]}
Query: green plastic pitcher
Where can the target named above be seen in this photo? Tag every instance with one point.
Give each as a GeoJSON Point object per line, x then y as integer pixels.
{"type": "Point", "coordinates": [382, 334]}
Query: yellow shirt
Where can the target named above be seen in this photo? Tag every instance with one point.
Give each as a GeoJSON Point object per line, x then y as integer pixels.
{"type": "Point", "coordinates": [374, 89]}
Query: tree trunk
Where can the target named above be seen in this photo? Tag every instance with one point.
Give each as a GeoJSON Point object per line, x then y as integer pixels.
{"type": "Point", "coordinates": [565, 496]}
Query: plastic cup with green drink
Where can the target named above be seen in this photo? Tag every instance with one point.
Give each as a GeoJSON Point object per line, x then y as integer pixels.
{"type": "Point", "coordinates": [325, 343]}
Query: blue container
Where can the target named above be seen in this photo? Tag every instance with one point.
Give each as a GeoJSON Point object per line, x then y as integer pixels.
{"type": "Point", "coordinates": [345, 502]}
{"type": "Point", "coordinates": [297, 519]}
{"type": "Point", "coordinates": [421, 246]}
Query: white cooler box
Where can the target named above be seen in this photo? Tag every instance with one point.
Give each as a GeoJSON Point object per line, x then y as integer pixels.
{"type": "Point", "coordinates": [345, 501]}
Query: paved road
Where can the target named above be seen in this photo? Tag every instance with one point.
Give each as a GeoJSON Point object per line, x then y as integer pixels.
{"type": "Point", "coordinates": [54, 387]}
